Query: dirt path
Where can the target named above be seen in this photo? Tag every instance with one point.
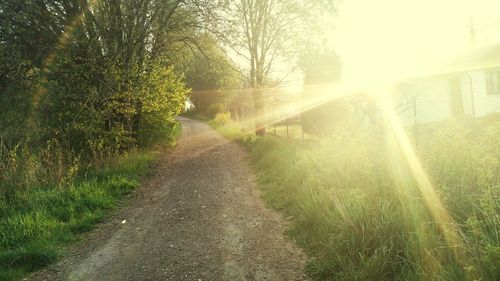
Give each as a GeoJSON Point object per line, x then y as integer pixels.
{"type": "Point", "coordinates": [199, 217]}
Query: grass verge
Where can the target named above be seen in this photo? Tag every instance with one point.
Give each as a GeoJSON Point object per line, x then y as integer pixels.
{"type": "Point", "coordinates": [38, 223]}
{"type": "Point", "coordinates": [360, 212]}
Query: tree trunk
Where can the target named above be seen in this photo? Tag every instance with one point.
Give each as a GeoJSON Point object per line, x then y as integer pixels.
{"type": "Point", "coordinates": [258, 99]}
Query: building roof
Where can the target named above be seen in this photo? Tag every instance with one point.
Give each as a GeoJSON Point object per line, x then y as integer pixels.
{"type": "Point", "coordinates": [481, 58]}
{"type": "Point", "coordinates": [478, 59]}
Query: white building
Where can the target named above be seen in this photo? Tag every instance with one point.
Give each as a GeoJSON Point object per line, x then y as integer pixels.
{"type": "Point", "coordinates": [188, 105]}
{"type": "Point", "coordinates": [469, 86]}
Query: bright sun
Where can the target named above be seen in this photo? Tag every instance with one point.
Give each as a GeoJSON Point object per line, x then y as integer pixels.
{"type": "Point", "coordinates": [383, 41]}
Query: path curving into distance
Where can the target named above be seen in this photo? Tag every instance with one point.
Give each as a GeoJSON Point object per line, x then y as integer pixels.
{"type": "Point", "coordinates": [197, 217]}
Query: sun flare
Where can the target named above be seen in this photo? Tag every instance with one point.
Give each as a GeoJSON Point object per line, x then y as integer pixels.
{"type": "Point", "coordinates": [381, 42]}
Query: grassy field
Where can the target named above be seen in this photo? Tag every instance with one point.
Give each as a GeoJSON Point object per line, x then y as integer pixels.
{"type": "Point", "coordinates": [364, 209]}
{"type": "Point", "coordinates": [47, 204]}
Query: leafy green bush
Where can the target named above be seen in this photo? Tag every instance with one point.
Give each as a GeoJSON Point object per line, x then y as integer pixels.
{"type": "Point", "coordinates": [162, 98]}
{"type": "Point", "coordinates": [214, 109]}
{"type": "Point", "coordinates": [101, 109]}
{"type": "Point", "coordinates": [223, 118]}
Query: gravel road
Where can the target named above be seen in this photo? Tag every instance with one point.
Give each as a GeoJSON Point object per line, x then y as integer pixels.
{"type": "Point", "coordinates": [198, 216]}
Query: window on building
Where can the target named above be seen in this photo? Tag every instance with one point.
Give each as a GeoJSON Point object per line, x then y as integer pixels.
{"type": "Point", "coordinates": [493, 83]}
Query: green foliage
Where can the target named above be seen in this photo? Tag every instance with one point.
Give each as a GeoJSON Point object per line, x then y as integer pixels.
{"type": "Point", "coordinates": [104, 107]}
{"type": "Point", "coordinates": [80, 72]}
{"type": "Point", "coordinates": [223, 118]}
{"type": "Point", "coordinates": [21, 168]}
{"type": "Point", "coordinates": [214, 109]}
{"type": "Point", "coordinates": [320, 65]}
{"type": "Point", "coordinates": [230, 130]}
{"type": "Point", "coordinates": [209, 103]}
{"type": "Point", "coordinates": [322, 68]}
{"type": "Point", "coordinates": [211, 75]}
{"type": "Point", "coordinates": [39, 221]}
{"type": "Point", "coordinates": [29, 33]}
{"type": "Point", "coordinates": [209, 68]}
{"type": "Point", "coordinates": [83, 83]}
{"type": "Point", "coordinates": [162, 99]}
{"type": "Point", "coordinates": [360, 215]}
{"type": "Point", "coordinates": [17, 85]}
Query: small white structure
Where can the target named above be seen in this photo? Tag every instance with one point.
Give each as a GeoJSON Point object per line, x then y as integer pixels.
{"type": "Point", "coordinates": [188, 105]}
{"type": "Point", "coordinates": [469, 86]}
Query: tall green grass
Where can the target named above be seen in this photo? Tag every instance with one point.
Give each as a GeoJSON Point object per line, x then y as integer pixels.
{"type": "Point", "coordinates": [359, 213]}
{"type": "Point", "coordinates": [49, 196]}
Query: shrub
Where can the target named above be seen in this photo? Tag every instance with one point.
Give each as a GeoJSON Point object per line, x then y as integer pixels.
{"type": "Point", "coordinates": [22, 168]}
{"type": "Point", "coordinates": [215, 109]}
{"type": "Point", "coordinates": [223, 118]}
{"type": "Point", "coordinates": [162, 100]}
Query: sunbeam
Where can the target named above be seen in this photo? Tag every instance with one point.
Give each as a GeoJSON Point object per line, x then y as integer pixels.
{"type": "Point", "coordinates": [446, 224]}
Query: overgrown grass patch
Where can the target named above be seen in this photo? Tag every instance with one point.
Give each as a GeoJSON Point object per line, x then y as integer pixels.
{"type": "Point", "coordinates": [37, 223]}
{"type": "Point", "coordinates": [360, 213]}
{"type": "Point", "coordinates": [227, 128]}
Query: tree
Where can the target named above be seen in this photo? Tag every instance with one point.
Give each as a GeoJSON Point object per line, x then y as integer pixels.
{"type": "Point", "coordinates": [212, 76]}
{"type": "Point", "coordinates": [263, 33]}
{"type": "Point", "coordinates": [320, 65]}
{"type": "Point", "coordinates": [29, 33]}
{"type": "Point", "coordinates": [97, 70]}
{"type": "Point", "coordinates": [208, 67]}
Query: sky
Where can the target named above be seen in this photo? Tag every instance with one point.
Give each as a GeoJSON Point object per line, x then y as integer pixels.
{"type": "Point", "coordinates": [386, 40]}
